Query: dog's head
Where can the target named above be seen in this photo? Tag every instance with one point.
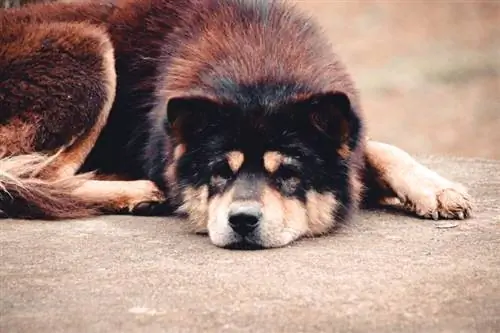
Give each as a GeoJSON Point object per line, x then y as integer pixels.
{"type": "Point", "coordinates": [263, 176]}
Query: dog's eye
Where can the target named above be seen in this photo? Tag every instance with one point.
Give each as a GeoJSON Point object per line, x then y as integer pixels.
{"type": "Point", "coordinates": [287, 179]}
{"type": "Point", "coordinates": [221, 173]}
{"type": "Point", "coordinates": [286, 173]}
{"type": "Point", "coordinates": [222, 170]}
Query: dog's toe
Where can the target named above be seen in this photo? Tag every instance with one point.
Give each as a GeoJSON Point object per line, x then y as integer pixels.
{"type": "Point", "coordinates": [454, 204]}
{"type": "Point", "coordinates": [448, 203]}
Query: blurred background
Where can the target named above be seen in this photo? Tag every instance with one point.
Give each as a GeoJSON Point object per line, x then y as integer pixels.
{"type": "Point", "coordinates": [428, 70]}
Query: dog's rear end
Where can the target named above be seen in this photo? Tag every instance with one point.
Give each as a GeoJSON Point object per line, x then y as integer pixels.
{"type": "Point", "coordinates": [58, 84]}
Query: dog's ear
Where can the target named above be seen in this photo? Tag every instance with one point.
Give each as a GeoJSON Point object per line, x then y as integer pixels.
{"type": "Point", "coordinates": [188, 116]}
{"type": "Point", "coordinates": [334, 117]}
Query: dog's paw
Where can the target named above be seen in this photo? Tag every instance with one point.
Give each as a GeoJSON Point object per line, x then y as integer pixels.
{"type": "Point", "coordinates": [141, 197]}
{"type": "Point", "coordinates": [147, 202]}
{"type": "Point", "coordinates": [452, 202]}
{"type": "Point", "coordinates": [152, 208]}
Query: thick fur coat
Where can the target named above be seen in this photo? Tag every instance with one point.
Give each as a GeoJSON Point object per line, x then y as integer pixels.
{"type": "Point", "coordinates": [235, 112]}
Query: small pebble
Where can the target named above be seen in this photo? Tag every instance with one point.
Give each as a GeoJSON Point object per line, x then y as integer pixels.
{"type": "Point", "coordinates": [445, 225]}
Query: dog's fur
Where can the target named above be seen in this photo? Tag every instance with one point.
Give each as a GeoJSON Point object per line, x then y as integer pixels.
{"type": "Point", "coordinates": [221, 109]}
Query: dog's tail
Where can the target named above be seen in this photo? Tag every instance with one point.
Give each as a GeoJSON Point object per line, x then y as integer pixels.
{"type": "Point", "coordinates": [23, 195]}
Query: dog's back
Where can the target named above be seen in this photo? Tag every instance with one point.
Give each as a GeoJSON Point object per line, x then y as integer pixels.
{"type": "Point", "coordinates": [255, 114]}
{"type": "Point", "coordinates": [257, 57]}
{"type": "Point", "coordinates": [58, 85]}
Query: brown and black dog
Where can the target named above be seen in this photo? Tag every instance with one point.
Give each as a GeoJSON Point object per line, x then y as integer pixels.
{"type": "Point", "coordinates": [236, 112]}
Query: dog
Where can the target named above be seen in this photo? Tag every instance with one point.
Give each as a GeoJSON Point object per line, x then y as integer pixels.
{"type": "Point", "coordinates": [236, 113]}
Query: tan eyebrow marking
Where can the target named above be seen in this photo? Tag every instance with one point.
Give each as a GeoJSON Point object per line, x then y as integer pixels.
{"type": "Point", "coordinates": [272, 161]}
{"type": "Point", "coordinates": [235, 159]}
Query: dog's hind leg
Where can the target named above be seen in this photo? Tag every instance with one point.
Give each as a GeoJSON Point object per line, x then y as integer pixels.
{"type": "Point", "coordinates": [140, 197]}
{"type": "Point", "coordinates": [393, 175]}
{"type": "Point", "coordinates": [58, 86]}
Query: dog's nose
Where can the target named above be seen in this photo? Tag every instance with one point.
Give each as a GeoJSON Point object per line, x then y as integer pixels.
{"type": "Point", "coordinates": [244, 218]}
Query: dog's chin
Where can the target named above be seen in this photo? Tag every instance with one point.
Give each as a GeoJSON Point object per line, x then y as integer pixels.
{"type": "Point", "coordinates": [233, 241]}
{"type": "Point", "coordinates": [254, 241]}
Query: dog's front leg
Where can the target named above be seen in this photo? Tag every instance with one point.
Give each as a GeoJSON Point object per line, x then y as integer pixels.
{"type": "Point", "coordinates": [393, 172]}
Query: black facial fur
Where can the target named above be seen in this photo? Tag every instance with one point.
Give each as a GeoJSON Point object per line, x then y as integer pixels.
{"type": "Point", "coordinates": [211, 130]}
{"type": "Point", "coordinates": [289, 180]}
{"type": "Point", "coordinates": [260, 115]}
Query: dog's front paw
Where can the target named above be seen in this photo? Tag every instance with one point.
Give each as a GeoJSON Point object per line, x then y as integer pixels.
{"type": "Point", "coordinates": [451, 202]}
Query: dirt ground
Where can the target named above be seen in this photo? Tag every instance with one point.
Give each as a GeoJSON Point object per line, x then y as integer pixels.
{"type": "Point", "coordinates": [428, 71]}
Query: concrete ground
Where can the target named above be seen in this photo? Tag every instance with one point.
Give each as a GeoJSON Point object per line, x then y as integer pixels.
{"type": "Point", "coordinates": [385, 273]}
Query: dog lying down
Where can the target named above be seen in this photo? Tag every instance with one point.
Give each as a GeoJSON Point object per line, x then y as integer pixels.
{"type": "Point", "coordinates": [236, 112]}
